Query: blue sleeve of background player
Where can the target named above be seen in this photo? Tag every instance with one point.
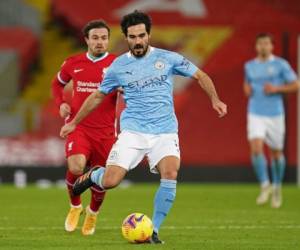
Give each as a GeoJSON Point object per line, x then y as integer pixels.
{"type": "Point", "coordinates": [182, 66]}
{"type": "Point", "coordinates": [288, 73]}
{"type": "Point", "coordinates": [247, 78]}
{"type": "Point", "coordinates": [110, 81]}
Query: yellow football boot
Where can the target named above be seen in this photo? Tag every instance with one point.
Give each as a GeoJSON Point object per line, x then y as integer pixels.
{"type": "Point", "coordinates": [73, 218]}
{"type": "Point", "coordinates": [89, 223]}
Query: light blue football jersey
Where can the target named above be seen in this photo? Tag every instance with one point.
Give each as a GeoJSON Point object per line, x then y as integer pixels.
{"type": "Point", "coordinates": [276, 71]}
{"type": "Point", "coordinates": [148, 89]}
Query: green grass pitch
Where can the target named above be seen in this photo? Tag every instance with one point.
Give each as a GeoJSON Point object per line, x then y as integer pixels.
{"type": "Point", "coordinates": [204, 216]}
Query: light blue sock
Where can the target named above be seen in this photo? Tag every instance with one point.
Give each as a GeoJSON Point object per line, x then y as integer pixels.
{"type": "Point", "coordinates": [97, 176]}
{"type": "Point", "coordinates": [277, 168]}
{"type": "Point", "coordinates": [260, 166]}
{"type": "Point", "coordinates": [163, 202]}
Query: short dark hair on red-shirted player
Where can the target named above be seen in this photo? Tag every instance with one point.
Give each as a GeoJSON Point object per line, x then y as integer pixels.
{"type": "Point", "coordinates": [264, 35]}
{"type": "Point", "coordinates": [135, 18]}
{"type": "Point", "coordinates": [94, 24]}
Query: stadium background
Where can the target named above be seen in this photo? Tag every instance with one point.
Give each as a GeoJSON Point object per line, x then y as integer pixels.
{"type": "Point", "coordinates": [218, 36]}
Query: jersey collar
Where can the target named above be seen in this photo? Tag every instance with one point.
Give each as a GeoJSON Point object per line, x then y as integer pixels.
{"type": "Point", "coordinates": [270, 59]}
{"type": "Point", "coordinates": [97, 59]}
{"type": "Point", "coordinates": [150, 50]}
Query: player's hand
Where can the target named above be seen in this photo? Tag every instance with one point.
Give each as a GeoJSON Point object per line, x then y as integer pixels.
{"type": "Point", "coordinates": [247, 90]}
{"type": "Point", "coordinates": [270, 89]}
{"type": "Point", "coordinates": [64, 110]}
{"type": "Point", "coordinates": [67, 129]}
{"type": "Point", "coordinates": [120, 90]}
{"type": "Point", "coordinates": [220, 107]}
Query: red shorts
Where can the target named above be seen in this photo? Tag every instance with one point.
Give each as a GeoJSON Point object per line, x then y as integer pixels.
{"type": "Point", "coordinates": [95, 150]}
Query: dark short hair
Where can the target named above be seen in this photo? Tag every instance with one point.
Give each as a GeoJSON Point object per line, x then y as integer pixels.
{"type": "Point", "coordinates": [93, 25]}
{"type": "Point", "coordinates": [135, 18]}
{"type": "Point", "coordinates": [264, 35]}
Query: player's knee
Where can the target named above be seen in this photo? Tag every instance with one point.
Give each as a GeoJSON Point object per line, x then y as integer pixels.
{"type": "Point", "coordinates": [170, 174]}
{"type": "Point", "coordinates": [257, 151]}
{"type": "Point", "coordinates": [76, 165]}
{"type": "Point", "coordinates": [76, 168]}
{"type": "Point", "coordinates": [256, 146]}
{"type": "Point", "coordinates": [276, 154]}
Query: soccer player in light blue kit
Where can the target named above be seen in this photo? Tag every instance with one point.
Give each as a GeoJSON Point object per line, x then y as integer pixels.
{"type": "Point", "coordinates": [267, 77]}
{"type": "Point", "coordinates": [148, 123]}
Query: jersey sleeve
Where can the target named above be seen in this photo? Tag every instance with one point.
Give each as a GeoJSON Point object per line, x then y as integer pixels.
{"type": "Point", "coordinates": [63, 75]}
{"type": "Point", "coordinates": [288, 73]}
{"type": "Point", "coordinates": [109, 82]}
{"type": "Point", "coordinates": [59, 82]}
{"type": "Point", "coordinates": [57, 89]}
{"type": "Point", "coordinates": [182, 66]}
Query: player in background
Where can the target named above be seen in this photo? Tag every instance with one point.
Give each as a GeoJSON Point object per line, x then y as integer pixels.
{"type": "Point", "coordinates": [148, 123]}
{"type": "Point", "coordinates": [267, 78]}
{"type": "Point", "coordinates": [93, 138]}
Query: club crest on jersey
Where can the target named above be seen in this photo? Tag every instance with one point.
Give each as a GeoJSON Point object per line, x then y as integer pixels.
{"type": "Point", "coordinates": [159, 65]}
{"type": "Point", "coordinates": [70, 146]}
{"type": "Point", "coordinates": [113, 156]}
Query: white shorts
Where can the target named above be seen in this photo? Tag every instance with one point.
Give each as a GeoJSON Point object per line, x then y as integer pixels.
{"type": "Point", "coordinates": [270, 129]}
{"type": "Point", "coordinates": [131, 147]}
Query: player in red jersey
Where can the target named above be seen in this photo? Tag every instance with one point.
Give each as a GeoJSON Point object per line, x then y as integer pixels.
{"type": "Point", "coordinates": [92, 140]}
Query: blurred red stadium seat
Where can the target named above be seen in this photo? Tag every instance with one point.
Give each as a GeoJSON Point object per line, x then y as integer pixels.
{"type": "Point", "coordinates": [201, 134]}
{"type": "Point", "coordinates": [25, 43]}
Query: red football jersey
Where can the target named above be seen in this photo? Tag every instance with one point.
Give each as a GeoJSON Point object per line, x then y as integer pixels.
{"type": "Point", "coordinates": [87, 74]}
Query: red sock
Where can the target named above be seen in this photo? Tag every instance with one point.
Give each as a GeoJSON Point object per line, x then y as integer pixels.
{"type": "Point", "coordinates": [97, 197]}
{"type": "Point", "coordinates": [70, 179]}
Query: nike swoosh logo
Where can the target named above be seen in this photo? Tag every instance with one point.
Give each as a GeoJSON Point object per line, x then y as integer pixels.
{"type": "Point", "coordinates": [138, 219]}
{"type": "Point", "coordinates": [77, 70]}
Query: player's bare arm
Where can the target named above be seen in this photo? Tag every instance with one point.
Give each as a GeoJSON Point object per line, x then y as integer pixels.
{"type": "Point", "coordinates": [65, 108]}
{"type": "Point", "coordinates": [247, 89]}
{"type": "Point", "coordinates": [87, 107]}
{"type": "Point", "coordinates": [282, 89]}
{"type": "Point", "coordinates": [208, 86]}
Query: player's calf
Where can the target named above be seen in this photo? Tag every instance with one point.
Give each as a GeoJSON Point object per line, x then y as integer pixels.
{"type": "Point", "coordinates": [97, 198]}
{"type": "Point", "coordinates": [105, 178]}
{"type": "Point", "coordinates": [112, 177]}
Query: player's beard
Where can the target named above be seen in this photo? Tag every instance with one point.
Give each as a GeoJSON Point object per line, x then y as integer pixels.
{"type": "Point", "coordinates": [139, 46]}
{"type": "Point", "coordinates": [98, 52]}
{"type": "Point", "coordinates": [264, 53]}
